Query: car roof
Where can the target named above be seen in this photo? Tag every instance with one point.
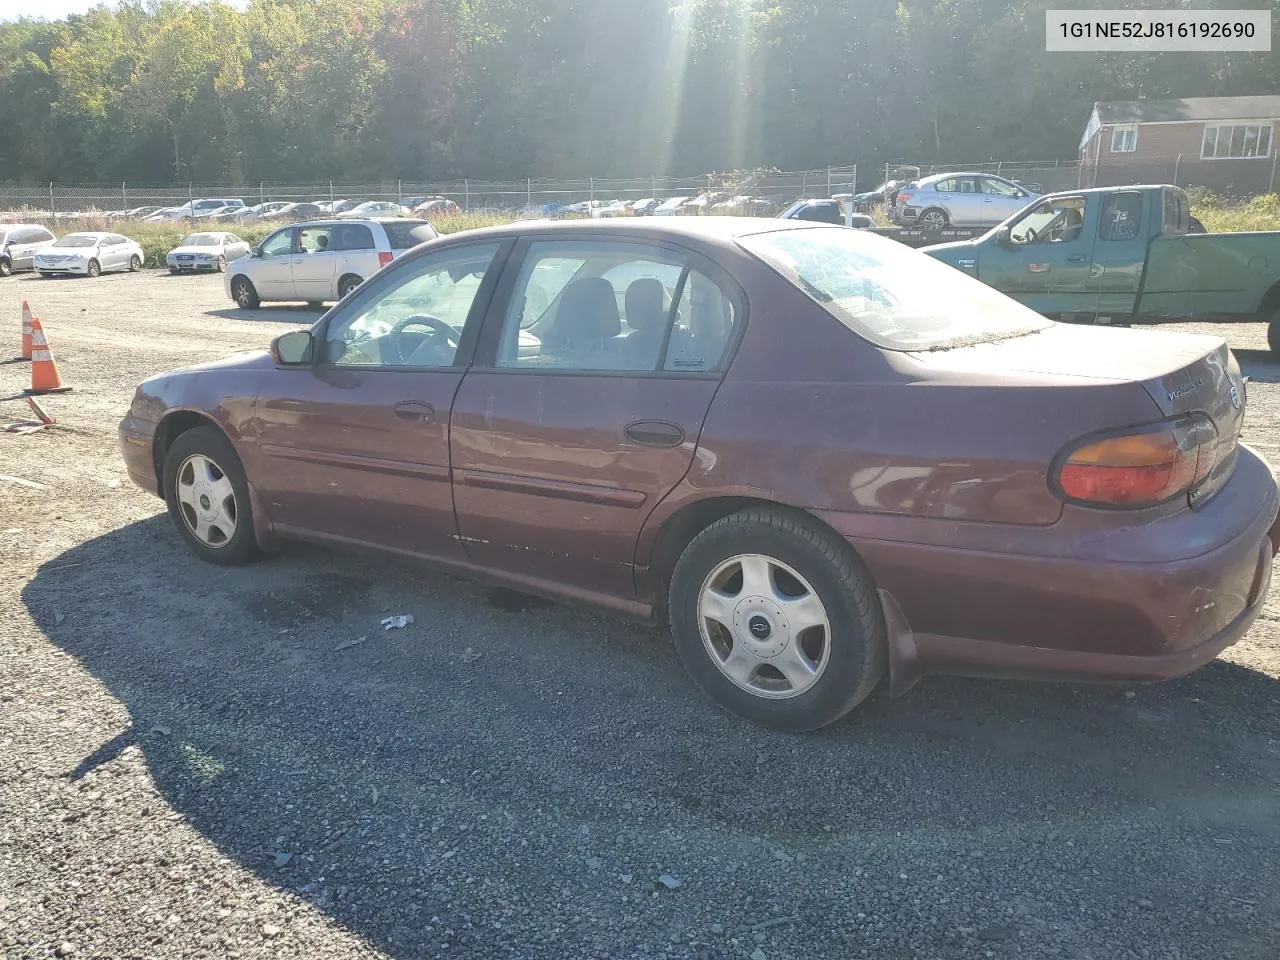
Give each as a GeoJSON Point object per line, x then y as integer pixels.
{"type": "Point", "coordinates": [716, 230]}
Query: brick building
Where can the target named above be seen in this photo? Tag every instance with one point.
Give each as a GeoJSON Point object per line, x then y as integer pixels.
{"type": "Point", "coordinates": [1226, 144]}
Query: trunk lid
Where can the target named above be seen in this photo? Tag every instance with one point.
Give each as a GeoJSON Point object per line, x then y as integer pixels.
{"type": "Point", "coordinates": [1182, 373]}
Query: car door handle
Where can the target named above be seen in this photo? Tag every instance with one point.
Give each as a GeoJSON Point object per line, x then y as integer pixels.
{"type": "Point", "coordinates": [1078, 258]}
{"type": "Point", "coordinates": [415, 410]}
{"type": "Point", "coordinates": [655, 433]}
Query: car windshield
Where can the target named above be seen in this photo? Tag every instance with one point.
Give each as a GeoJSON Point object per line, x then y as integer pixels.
{"type": "Point", "coordinates": [890, 294]}
{"type": "Point", "coordinates": [202, 240]}
{"type": "Point", "coordinates": [74, 241]}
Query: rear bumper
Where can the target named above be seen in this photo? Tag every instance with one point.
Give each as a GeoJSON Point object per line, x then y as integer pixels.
{"type": "Point", "coordinates": [1067, 614]}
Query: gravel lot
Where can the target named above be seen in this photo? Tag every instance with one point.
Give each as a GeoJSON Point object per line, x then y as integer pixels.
{"type": "Point", "coordinates": [191, 767]}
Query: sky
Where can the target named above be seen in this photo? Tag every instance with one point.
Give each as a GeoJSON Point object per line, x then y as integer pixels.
{"type": "Point", "coordinates": [57, 9]}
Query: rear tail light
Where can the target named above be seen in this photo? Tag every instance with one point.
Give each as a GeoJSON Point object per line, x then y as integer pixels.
{"type": "Point", "coordinates": [903, 197]}
{"type": "Point", "coordinates": [1138, 467]}
{"type": "Point", "coordinates": [385, 257]}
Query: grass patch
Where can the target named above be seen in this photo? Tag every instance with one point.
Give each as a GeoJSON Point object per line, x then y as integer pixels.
{"type": "Point", "coordinates": [1225, 215]}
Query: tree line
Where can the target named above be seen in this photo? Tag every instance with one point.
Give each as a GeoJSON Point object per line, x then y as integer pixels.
{"type": "Point", "coordinates": [421, 90]}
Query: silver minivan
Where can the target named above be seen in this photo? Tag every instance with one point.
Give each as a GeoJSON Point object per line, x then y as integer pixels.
{"type": "Point", "coordinates": [19, 243]}
{"type": "Point", "coordinates": [321, 260]}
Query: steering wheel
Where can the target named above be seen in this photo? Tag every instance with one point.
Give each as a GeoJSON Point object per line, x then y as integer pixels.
{"type": "Point", "coordinates": [437, 327]}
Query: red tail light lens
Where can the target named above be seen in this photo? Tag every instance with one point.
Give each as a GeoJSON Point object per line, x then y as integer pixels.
{"type": "Point", "coordinates": [1140, 467]}
{"type": "Point", "coordinates": [385, 257]}
{"type": "Point", "coordinates": [903, 197]}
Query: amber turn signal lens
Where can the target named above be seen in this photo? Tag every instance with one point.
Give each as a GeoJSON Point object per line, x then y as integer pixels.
{"type": "Point", "coordinates": [1138, 468]}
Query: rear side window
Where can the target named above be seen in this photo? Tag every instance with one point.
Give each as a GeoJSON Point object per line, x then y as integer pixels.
{"type": "Point", "coordinates": [1121, 217]}
{"type": "Point", "coordinates": [1177, 215]}
{"type": "Point", "coordinates": [351, 236]}
{"type": "Point", "coordinates": [408, 234]}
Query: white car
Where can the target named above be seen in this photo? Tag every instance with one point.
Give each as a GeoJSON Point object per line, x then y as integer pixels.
{"type": "Point", "coordinates": [19, 244]}
{"type": "Point", "coordinates": [206, 251]}
{"type": "Point", "coordinates": [321, 260]}
{"type": "Point", "coordinates": [89, 253]}
{"type": "Point", "coordinates": [375, 208]}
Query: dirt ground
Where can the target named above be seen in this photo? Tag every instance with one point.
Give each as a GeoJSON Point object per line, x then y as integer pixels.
{"type": "Point", "coordinates": [195, 763]}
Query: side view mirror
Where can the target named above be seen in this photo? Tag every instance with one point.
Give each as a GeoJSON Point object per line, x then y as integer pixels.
{"type": "Point", "coordinates": [1003, 237]}
{"type": "Point", "coordinates": [293, 349]}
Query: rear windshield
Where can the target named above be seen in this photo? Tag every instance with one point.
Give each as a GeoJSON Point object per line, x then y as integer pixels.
{"type": "Point", "coordinates": [74, 241]}
{"type": "Point", "coordinates": [408, 234]}
{"type": "Point", "coordinates": [894, 296]}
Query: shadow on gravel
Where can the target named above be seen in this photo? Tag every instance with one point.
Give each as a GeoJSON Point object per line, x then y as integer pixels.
{"type": "Point", "coordinates": [279, 313]}
{"type": "Point", "coordinates": [499, 768]}
{"type": "Point", "coordinates": [1258, 365]}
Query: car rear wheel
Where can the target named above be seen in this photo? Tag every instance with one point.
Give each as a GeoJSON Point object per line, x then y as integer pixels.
{"type": "Point", "coordinates": [777, 620]}
{"type": "Point", "coordinates": [244, 295]}
{"type": "Point", "coordinates": [94, 268]}
{"type": "Point", "coordinates": [1273, 335]}
{"type": "Point", "coordinates": [347, 284]}
{"type": "Point", "coordinates": [933, 220]}
{"type": "Point", "coordinates": [135, 263]}
{"type": "Point", "coordinates": [6, 267]}
{"type": "Point", "coordinates": [208, 497]}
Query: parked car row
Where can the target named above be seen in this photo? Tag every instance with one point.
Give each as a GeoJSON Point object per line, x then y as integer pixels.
{"type": "Point", "coordinates": [234, 209]}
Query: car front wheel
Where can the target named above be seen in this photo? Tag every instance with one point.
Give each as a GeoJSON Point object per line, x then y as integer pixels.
{"type": "Point", "coordinates": [135, 263]}
{"type": "Point", "coordinates": [777, 619]}
{"type": "Point", "coordinates": [6, 267]}
{"type": "Point", "coordinates": [94, 269]}
{"type": "Point", "coordinates": [208, 497]}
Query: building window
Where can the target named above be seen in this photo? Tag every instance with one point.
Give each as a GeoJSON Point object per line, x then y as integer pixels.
{"type": "Point", "coordinates": [1124, 139]}
{"type": "Point", "coordinates": [1236, 141]}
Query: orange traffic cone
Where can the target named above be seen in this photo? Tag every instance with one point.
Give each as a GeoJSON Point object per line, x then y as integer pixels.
{"type": "Point", "coordinates": [44, 372]}
{"type": "Point", "coordinates": [26, 331]}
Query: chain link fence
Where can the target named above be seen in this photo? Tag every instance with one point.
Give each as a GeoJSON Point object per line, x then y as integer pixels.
{"type": "Point", "coordinates": [475, 196]}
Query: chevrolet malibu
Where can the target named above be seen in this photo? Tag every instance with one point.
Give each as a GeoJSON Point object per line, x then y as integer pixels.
{"type": "Point", "coordinates": [825, 459]}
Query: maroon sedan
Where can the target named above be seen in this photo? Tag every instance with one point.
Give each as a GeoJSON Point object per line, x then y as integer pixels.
{"type": "Point", "coordinates": [821, 455]}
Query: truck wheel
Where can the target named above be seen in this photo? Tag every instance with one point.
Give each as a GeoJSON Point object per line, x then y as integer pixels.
{"type": "Point", "coordinates": [1273, 335]}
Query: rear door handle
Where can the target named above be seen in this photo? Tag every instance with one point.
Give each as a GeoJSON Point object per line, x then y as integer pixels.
{"type": "Point", "coordinates": [655, 433]}
{"type": "Point", "coordinates": [1079, 258]}
{"type": "Point", "coordinates": [415, 410]}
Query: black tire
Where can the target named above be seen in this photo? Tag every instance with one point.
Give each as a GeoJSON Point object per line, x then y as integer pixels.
{"type": "Point", "coordinates": [315, 304]}
{"type": "Point", "coordinates": [933, 220]}
{"type": "Point", "coordinates": [6, 267]}
{"type": "Point", "coordinates": [1273, 335]}
{"type": "Point", "coordinates": [173, 271]}
{"type": "Point", "coordinates": [135, 263]}
{"type": "Point", "coordinates": [347, 284]}
{"type": "Point", "coordinates": [857, 651]}
{"type": "Point", "coordinates": [213, 444]}
{"type": "Point", "coordinates": [243, 293]}
{"type": "Point", "coordinates": [95, 268]}
{"type": "Point", "coordinates": [221, 265]}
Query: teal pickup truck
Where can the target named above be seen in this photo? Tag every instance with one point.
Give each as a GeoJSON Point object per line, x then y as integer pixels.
{"type": "Point", "coordinates": [1124, 255]}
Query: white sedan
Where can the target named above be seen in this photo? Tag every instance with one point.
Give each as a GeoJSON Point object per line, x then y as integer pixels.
{"type": "Point", "coordinates": [89, 253]}
{"type": "Point", "coordinates": [206, 251]}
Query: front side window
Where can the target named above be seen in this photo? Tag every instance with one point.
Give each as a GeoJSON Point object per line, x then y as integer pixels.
{"type": "Point", "coordinates": [1121, 216]}
{"type": "Point", "coordinates": [1124, 138]}
{"type": "Point", "coordinates": [890, 294]}
{"type": "Point", "coordinates": [587, 306]}
{"type": "Point", "coordinates": [418, 320]}
{"type": "Point", "coordinates": [998, 188]}
{"type": "Point", "coordinates": [1238, 141]}
{"type": "Point", "coordinates": [1052, 221]}
{"type": "Point", "coordinates": [278, 244]}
